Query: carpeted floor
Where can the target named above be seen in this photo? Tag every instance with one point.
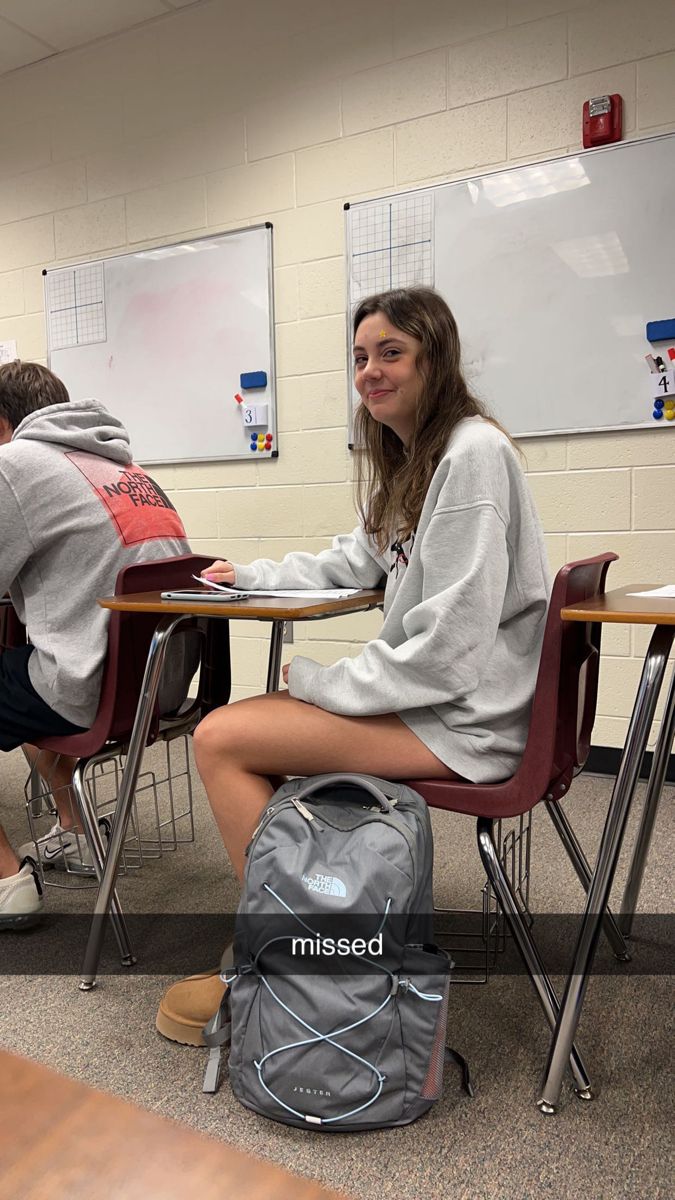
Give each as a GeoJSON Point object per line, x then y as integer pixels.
{"type": "Point", "coordinates": [496, 1145]}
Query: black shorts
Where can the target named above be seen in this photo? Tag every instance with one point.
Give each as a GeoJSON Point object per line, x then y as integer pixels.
{"type": "Point", "coordinates": [25, 716]}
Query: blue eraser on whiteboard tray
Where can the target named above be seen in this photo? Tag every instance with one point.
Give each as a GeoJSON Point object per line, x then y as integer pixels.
{"type": "Point", "coordinates": [253, 379]}
{"type": "Point", "coordinates": [661, 331]}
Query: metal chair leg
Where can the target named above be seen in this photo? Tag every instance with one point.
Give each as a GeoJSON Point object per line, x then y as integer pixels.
{"type": "Point", "coordinates": [580, 864]}
{"type": "Point", "coordinates": [528, 950]}
{"type": "Point", "coordinates": [93, 838]}
{"type": "Point", "coordinates": [603, 875]}
{"type": "Point", "coordinates": [36, 785]}
{"type": "Point", "coordinates": [657, 777]}
{"type": "Point", "coordinates": [106, 892]}
{"type": "Point", "coordinates": [274, 661]}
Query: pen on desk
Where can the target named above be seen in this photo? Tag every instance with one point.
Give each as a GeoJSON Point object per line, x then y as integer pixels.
{"type": "Point", "coordinates": [649, 359]}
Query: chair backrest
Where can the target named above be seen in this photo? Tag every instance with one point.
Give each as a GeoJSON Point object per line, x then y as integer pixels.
{"type": "Point", "coordinates": [12, 632]}
{"type": "Point", "coordinates": [563, 709]}
{"type": "Point", "coordinates": [129, 637]}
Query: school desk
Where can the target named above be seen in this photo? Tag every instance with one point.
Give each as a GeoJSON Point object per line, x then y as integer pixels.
{"type": "Point", "coordinates": [622, 607]}
{"type": "Point", "coordinates": [60, 1138]}
{"type": "Point", "coordinates": [171, 613]}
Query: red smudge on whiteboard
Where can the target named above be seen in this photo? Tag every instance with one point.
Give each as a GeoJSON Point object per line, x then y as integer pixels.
{"type": "Point", "coordinates": [171, 322]}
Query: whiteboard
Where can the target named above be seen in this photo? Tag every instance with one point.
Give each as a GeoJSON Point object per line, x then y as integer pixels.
{"type": "Point", "coordinates": [552, 271]}
{"type": "Point", "coordinates": [162, 337]}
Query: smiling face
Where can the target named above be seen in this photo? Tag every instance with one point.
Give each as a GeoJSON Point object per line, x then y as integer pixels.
{"type": "Point", "coordinates": [387, 375]}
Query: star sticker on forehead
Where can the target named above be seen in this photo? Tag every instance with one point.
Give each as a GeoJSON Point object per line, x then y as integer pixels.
{"type": "Point", "coordinates": [383, 333]}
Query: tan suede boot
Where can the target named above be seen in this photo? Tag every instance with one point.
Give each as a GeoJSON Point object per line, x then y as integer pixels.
{"type": "Point", "coordinates": [187, 1006]}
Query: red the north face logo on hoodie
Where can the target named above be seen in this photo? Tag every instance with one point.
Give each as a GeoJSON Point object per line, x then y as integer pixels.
{"type": "Point", "coordinates": [137, 506]}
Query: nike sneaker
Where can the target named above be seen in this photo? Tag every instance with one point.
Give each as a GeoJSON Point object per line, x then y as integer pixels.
{"type": "Point", "coordinates": [60, 849]}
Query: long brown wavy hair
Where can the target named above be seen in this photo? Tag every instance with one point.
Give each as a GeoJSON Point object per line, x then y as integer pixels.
{"type": "Point", "coordinates": [392, 480]}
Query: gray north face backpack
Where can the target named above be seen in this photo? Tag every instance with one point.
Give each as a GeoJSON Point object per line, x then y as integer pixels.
{"type": "Point", "coordinates": [337, 1000]}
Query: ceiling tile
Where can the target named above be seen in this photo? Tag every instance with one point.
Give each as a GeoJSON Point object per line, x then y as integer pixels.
{"type": "Point", "coordinates": [75, 22]}
{"type": "Point", "coordinates": [17, 48]}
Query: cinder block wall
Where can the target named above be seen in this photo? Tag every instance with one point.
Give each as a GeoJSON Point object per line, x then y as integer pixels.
{"type": "Point", "coordinates": [226, 114]}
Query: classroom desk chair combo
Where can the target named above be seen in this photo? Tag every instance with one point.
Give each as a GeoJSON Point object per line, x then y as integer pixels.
{"type": "Point", "coordinates": [128, 642]}
{"type": "Point", "coordinates": [141, 604]}
{"type": "Point", "coordinates": [557, 748]}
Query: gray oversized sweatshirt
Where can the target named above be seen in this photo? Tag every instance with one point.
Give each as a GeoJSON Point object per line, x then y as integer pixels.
{"type": "Point", "coordinates": [74, 510]}
{"type": "Point", "coordinates": [464, 611]}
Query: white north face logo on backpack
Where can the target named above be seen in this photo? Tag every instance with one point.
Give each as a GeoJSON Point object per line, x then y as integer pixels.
{"type": "Point", "coordinates": [328, 885]}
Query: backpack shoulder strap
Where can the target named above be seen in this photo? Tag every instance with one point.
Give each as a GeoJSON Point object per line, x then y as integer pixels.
{"type": "Point", "coordinates": [217, 1033]}
{"type": "Point", "coordinates": [456, 1057]}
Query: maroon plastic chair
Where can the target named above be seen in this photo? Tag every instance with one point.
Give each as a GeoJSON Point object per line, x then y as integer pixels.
{"type": "Point", "coordinates": [558, 745]}
{"type": "Point", "coordinates": [12, 632]}
{"type": "Point", "coordinates": [129, 637]}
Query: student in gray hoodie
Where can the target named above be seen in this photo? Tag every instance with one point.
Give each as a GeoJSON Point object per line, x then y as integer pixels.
{"type": "Point", "coordinates": [449, 527]}
{"type": "Point", "coordinates": [74, 510]}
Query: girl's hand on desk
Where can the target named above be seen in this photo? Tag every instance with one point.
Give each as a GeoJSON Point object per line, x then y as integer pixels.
{"type": "Point", "coordinates": [220, 571]}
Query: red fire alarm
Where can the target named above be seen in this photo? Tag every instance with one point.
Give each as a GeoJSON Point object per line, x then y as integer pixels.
{"type": "Point", "coordinates": [602, 120]}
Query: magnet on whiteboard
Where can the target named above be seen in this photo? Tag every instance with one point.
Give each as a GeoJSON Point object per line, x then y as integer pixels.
{"type": "Point", "coordinates": [661, 331]}
{"type": "Point", "coordinates": [253, 379]}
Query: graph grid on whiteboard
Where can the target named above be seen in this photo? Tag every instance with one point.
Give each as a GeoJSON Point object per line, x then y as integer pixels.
{"type": "Point", "coordinates": [392, 244]}
{"type": "Point", "coordinates": [76, 306]}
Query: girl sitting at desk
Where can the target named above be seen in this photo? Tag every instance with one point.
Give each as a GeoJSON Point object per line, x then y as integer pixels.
{"type": "Point", "coordinates": [448, 527]}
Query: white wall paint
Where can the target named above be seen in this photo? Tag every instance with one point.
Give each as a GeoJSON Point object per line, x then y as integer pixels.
{"type": "Point", "coordinates": [227, 114]}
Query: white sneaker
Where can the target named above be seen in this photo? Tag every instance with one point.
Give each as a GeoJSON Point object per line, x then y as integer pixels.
{"type": "Point", "coordinates": [60, 849]}
{"type": "Point", "coordinates": [20, 898]}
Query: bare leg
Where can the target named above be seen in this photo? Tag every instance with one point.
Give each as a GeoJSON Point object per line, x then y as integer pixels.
{"type": "Point", "coordinates": [57, 772]}
{"type": "Point", "coordinates": [9, 863]}
{"type": "Point", "coordinates": [238, 747]}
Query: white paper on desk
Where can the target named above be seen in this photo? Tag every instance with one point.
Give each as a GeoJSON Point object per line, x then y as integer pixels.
{"type": "Point", "coordinates": [665, 592]}
{"type": "Point", "coordinates": [306, 594]}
